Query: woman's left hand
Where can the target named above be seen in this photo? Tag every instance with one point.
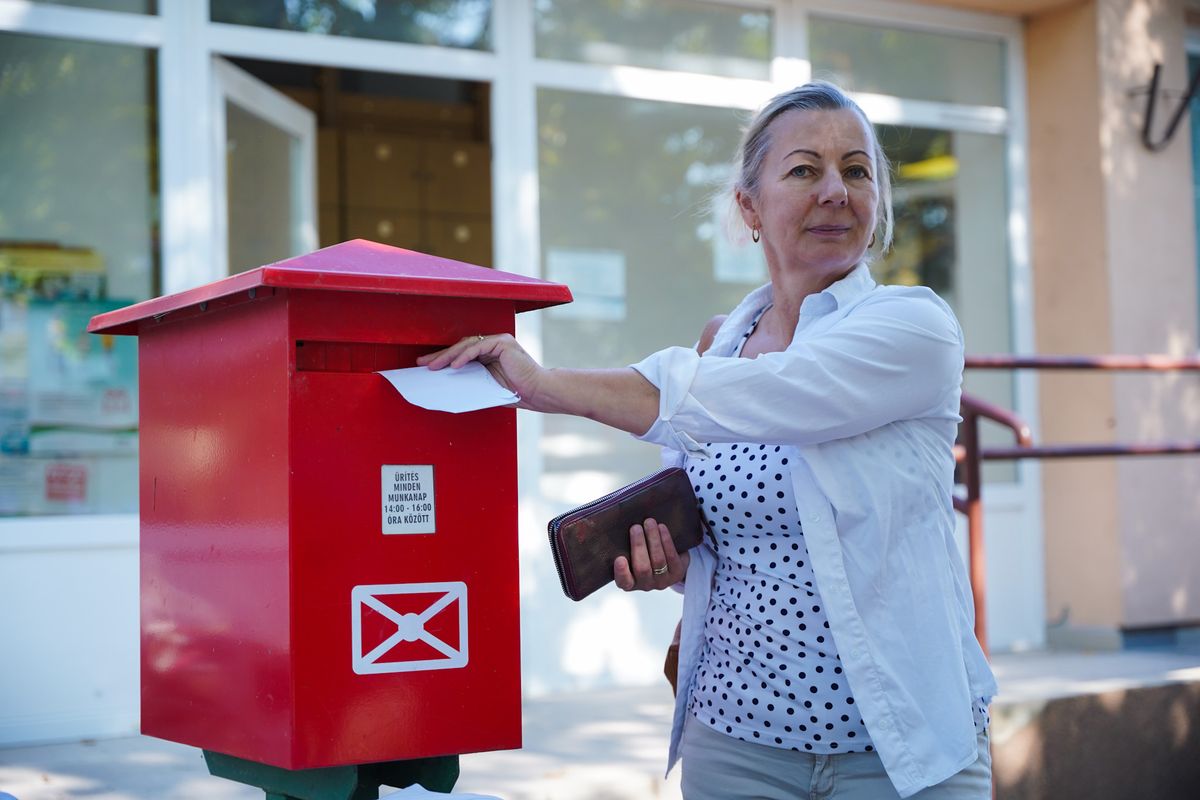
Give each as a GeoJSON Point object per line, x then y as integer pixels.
{"type": "Point", "coordinates": [653, 562]}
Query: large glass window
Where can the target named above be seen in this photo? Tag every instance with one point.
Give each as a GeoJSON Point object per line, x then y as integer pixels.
{"type": "Point", "coordinates": [626, 221]}
{"type": "Point", "coordinates": [951, 212]}
{"type": "Point", "coordinates": [449, 23]}
{"type": "Point", "coordinates": [905, 63]}
{"type": "Point", "coordinates": [78, 236]}
{"type": "Point", "coordinates": [666, 34]}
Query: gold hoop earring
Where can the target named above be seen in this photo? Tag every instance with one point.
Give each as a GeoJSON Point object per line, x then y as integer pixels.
{"type": "Point", "coordinates": [872, 244]}
{"type": "Point", "coordinates": [755, 235]}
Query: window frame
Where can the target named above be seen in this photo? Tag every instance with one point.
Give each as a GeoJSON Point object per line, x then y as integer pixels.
{"type": "Point", "coordinates": [1191, 48]}
{"type": "Point", "coordinates": [186, 42]}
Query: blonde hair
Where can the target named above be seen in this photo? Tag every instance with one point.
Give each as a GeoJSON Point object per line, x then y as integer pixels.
{"type": "Point", "coordinates": [756, 141]}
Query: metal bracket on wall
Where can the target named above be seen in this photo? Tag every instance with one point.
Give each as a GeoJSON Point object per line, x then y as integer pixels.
{"type": "Point", "coordinates": [354, 782]}
{"type": "Point", "coordinates": [1176, 117]}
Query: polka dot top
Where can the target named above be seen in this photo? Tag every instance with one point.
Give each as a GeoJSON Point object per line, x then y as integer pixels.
{"type": "Point", "coordinates": [769, 672]}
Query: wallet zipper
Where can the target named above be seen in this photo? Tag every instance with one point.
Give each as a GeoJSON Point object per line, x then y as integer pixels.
{"type": "Point", "coordinates": [602, 500]}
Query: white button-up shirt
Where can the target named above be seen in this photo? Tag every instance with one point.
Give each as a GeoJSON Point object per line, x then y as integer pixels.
{"type": "Point", "coordinates": [866, 399]}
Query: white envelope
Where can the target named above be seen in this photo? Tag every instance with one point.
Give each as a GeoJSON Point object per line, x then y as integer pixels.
{"type": "Point", "coordinates": [410, 627]}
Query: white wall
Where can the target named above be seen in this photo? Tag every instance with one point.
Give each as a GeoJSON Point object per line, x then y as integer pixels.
{"type": "Point", "coordinates": [70, 631]}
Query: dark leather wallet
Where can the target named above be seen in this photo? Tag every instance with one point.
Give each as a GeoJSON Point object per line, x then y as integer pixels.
{"type": "Point", "coordinates": [586, 540]}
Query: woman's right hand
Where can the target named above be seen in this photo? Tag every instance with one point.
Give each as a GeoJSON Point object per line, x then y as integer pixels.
{"type": "Point", "coordinates": [653, 562]}
{"type": "Point", "coordinates": [620, 398]}
{"type": "Point", "coordinates": [508, 362]}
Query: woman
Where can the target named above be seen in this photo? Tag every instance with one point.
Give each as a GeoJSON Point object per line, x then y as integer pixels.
{"type": "Point", "coordinates": [827, 646]}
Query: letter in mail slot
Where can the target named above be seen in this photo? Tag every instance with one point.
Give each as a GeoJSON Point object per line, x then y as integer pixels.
{"type": "Point", "coordinates": [408, 627]}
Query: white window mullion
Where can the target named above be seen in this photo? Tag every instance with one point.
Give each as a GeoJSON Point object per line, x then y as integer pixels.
{"type": "Point", "coordinates": [351, 53]}
{"type": "Point", "coordinates": [642, 83]}
{"type": "Point", "coordinates": [112, 27]}
{"type": "Point", "coordinates": [76, 532]}
{"type": "Point", "coordinates": [218, 184]}
{"type": "Point", "coordinates": [790, 62]}
{"type": "Point", "coordinates": [185, 150]}
{"type": "Point", "coordinates": [1019, 235]}
{"type": "Point", "coordinates": [889, 110]}
{"type": "Point", "coordinates": [1019, 232]}
{"type": "Point", "coordinates": [514, 142]}
{"type": "Point", "coordinates": [1025, 381]}
{"type": "Point", "coordinates": [515, 219]}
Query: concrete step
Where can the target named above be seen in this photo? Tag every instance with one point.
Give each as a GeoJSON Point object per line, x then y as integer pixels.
{"type": "Point", "coordinates": [1103, 726]}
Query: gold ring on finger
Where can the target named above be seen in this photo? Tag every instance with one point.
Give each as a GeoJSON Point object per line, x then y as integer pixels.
{"type": "Point", "coordinates": [661, 570]}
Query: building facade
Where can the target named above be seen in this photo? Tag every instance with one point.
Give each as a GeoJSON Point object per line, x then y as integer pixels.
{"type": "Point", "coordinates": [149, 147]}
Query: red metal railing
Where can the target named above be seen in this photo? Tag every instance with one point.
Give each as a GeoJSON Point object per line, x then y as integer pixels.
{"type": "Point", "coordinates": [970, 454]}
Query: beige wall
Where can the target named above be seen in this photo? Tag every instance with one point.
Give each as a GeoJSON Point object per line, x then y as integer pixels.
{"type": "Point", "coordinates": [1150, 227]}
{"type": "Point", "coordinates": [1071, 309]}
{"type": "Point", "coordinates": [1114, 271]}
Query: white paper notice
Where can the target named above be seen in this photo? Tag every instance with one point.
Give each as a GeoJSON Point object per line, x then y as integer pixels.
{"type": "Point", "coordinates": [468, 388]}
{"type": "Point", "coordinates": [409, 503]}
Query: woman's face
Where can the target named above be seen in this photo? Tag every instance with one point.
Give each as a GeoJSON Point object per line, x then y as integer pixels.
{"type": "Point", "coordinates": [817, 195]}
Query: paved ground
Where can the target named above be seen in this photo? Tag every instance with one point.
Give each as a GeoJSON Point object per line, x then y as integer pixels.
{"type": "Point", "coordinates": [597, 746]}
{"type": "Point", "coordinates": [607, 745]}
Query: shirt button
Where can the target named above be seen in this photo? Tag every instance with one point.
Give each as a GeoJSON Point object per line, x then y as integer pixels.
{"type": "Point", "coordinates": [816, 517]}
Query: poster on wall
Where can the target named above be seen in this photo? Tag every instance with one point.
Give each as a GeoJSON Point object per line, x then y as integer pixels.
{"type": "Point", "coordinates": [68, 410]}
{"type": "Point", "coordinates": [77, 379]}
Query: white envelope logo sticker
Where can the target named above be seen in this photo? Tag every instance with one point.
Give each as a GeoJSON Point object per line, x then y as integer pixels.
{"type": "Point", "coordinates": [409, 627]}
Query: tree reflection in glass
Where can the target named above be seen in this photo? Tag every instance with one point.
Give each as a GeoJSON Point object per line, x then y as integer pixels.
{"type": "Point", "coordinates": [447, 23]}
{"type": "Point", "coordinates": [666, 34]}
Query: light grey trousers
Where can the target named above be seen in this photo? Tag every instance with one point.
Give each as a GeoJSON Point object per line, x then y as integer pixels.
{"type": "Point", "coordinates": [719, 767]}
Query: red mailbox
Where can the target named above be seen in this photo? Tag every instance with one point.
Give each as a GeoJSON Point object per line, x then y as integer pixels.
{"type": "Point", "coordinates": [328, 573]}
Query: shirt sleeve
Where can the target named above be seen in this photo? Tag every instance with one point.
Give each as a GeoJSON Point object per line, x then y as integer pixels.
{"type": "Point", "coordinates": [897, 355]}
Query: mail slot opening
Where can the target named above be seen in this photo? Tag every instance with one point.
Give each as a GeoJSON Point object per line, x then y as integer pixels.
{"type": "Point", "coordinates": [316, 356]}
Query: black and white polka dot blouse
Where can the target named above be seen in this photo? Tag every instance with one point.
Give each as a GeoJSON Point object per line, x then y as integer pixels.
{"type": "Point", "coordinates": [769, 671]}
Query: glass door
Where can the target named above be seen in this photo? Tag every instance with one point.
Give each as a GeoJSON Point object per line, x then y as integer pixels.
{"type": "Point", "coordinates": [949, 117]}
{"type": "Point", "coordinates": [264, 180]}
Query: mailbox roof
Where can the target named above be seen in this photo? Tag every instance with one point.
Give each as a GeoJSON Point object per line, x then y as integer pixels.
{"type": "Point", "coordinates": [354, 266]}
